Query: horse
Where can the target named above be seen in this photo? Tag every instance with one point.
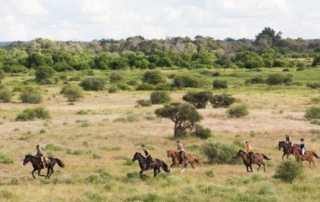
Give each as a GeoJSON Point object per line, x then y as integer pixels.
{"type": "Point", "coordinates": [155, 165]}
{"type": "Point", "coordinates": [258, 159]}
{"type": "Point", "coordinates": [37, 165]}
{"type": "Point", "coordinates": [176, 160]}
{"type": "Point", "coordinates": [287, 148]}
{"type": "Point", "coordinates": [308, 155]}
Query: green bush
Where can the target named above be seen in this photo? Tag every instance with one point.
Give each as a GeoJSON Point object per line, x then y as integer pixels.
{"type": "Point", "coordinates": [153, 77]}
{"type": "Point", "coordinates": [72, 92]}
{"type": "Point", "coordinates": [288, 171]}
{"type": "Point", "coordinates": [93, 83]}
{"type": "Point", "coordinates": [202, 132]}
{"type": "Point", "coordinates": [238, 110]}
{"type": "Point", "coordinates": [159, 97]}
{"type": "Point", "coordinates": [2, 74]}
{"type": "Point", "coordinates": [44, 74]}
{"type": "Point", "coordinates": [123, 86]}
{"type": "Point", "coordinates": [198, 99]}
{"type": "Point", "coordinates": [255, 80]}
{"type": "Point", "coordinates": [278, 79]}
{"type": "Point", "coordinates": [30, 95]}
{"type": "Point", "coordinates": [145, 86]}
{"type": "Point", "coordinates": [313, 85]}
{"type": "Point", "coordinates": [5, 94]}
{"type": "Point", "coordinates": [5, 158]}
{"type": "Point", "coordinates": [220, 153]}
{"type": "Point", "coordinates": [144, 103]}
{"type": "Point", "coordinates": [185, 81]}
{"type": "Point", "coordinates": [316, 61]}
{"type": "Point", "coordinates": [112, 89]}
{"type": "Point", "coordinates": [33, 113]}
{"type": "Point", "coordinates": [313, 113]}
{"type": "Point", "coordinates": [219, 84]}
{"type": "Point", "coordinates": [223, 100]}
{"type": "Point", "coordinates": [115, 77]}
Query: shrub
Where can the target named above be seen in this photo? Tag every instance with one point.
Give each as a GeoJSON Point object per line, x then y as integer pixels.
{"type": "Point", "coordinates": [112, 89]}
{"type": "Point", "coordinates": [145, 86]}
{"type": "Point", "coordinates": [202, 132]}
{"type": "Point", "coordinates": [5, 158]}
{"type": "Point", "coordinates": [198, 99]}
{"type": "Point", "coordinates": [44, 74]}
{"type": "Point", "coordinates": [115, 77]}
{"type": "Point", "coordinates": [255, 80]}
{"type": "Point", "coordinates": [34, 113]}
{"type": "Point", "coordinates": [218, 84]}
{"type": "Point", "coordinates": [72, 92]}
{"type": "Point", "coordinates": [220, 153]}
{"type": "Point", "coordinates": [238, 110]}
{"type": "Point", "coordinates": [144, 103]}
{"type": "Point", "coordinates": [153, 77]}
{"type": "Point", "coordinates": [30, 95]}
{"type": "Point", "coordinates": [277, 79]}
{"type": "Point", "coordinates": [186, 81]}
{"type": "Point", "coordinates": [316, 61]}
{"type": "Point", "coordinates": [313, 113]}
{"type": "Point", "coordinates": [159, 97]}
{"type": "Point", "coordinates": [93, 83]}
{"type": "Point", "coordinates": [313, 85]}
{"type": "Point", "coordinates": [5, 94]}
{"type": "Point", "coordinates": [223, 100]}
{"type": "Point", "coordinates": [123, 86]}
{"type": "Point", "coordinates": [288, 171]}
{"type": "Point", "coordinates": [2, 74]}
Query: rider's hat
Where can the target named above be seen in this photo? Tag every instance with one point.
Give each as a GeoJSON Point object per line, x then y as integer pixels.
{"type": "Point", "coordinates": [37, 146]}
{"type": "Point", "coordinates": [302, 139]}
{"type": "Point", "coordinates": [143, 145]}
{"type": "Point", "coordinates": [177, 140]}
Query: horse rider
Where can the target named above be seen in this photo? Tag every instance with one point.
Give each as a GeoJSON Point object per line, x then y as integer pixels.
{"type": "Point", "coordinates": [249, 151]}
{"type": "Point", "coordinates": [289, 140]}
{"type": "Point", "coordinates": [147, 154]}
{"type": "Point", "coordinates": [41, 156]}
{"type": "Point", "coordinates": [302, 147]}
{"type": "Point", "coordinates": [180, 150]}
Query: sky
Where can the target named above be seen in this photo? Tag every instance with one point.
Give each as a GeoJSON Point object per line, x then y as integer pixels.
{"type": "Point", "coordinates": [96, 19]}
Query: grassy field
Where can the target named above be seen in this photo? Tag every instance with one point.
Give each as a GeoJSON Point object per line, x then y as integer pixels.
{"type": "Point", "coordinates": [97, 137]}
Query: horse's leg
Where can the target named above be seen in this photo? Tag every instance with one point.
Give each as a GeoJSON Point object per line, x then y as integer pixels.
{"type": "Point", "coordinates": [248, 170]}
{"type": "Point", "coordinates": [39, 173]}
{"type": "Point", "coordinates": [52, 171]}
{"type": "Point", "coordinates": [141, 173]}
{"type": "Point", "coordinates": [259, 165]}
{"type": "Point", "coordinates": [154, 172]}
{"type": "Point", "coordinates": [264, 166]}
{"type": "Point", "coordinates": [34, 170]}
{"type": "Point", "coordinates": [192, 165]}
{"type": "Point", "coordinates": [283, 156]}
{"type": "Point", "coordinates": [251, 168]}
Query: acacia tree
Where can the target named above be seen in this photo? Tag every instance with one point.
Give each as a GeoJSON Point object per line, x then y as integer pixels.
{"type": "Point", "coordinates": [198, 99]}
{"type": "Point", "coordinates": [184, 116]}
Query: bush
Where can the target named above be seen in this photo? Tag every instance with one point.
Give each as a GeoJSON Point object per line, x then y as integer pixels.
{"type": "Point", "coordinates": [220, 153]}
{"type": "Point", "coordinates": [93, 83]}
{"type": "Point", "coordinates": [153, 77]}
{"type": "Point", "coordinates": [159, 97]}
{"type": "Point", "coordinates": [288, 171]}
{"type": "Point", "coordinates": [115, 77]}
{"type": "Point", "coordinates": [316, 61]}
{"type": "Point", "coordinates": [30, 95]}
{"type": "Point", "coordinates": [202, 132]}
{"type": "Point", "coordinates": [255, 80]}
{"type": "Point", "coordinates": [238, 110]}
{"type": "Point", "coordinates": [313, 113]}
{"type": "Point", "coordinates": [145, 86]}
{"type": "Point", "coordinates": [44, 74]}
{"type": "Point", "coordinates": [2, 74]}
{"type": "Point", "coordinates": [144, 103]}
{"type": "Point", "coordinates": [219, 84]}
{"type": "Point", "coordinates": [277, 79]}
{"type": "Point", "coordinates": [198, 99]}
{"type": "Point", "coordinates": [313, 85]}
{"type": "Point", "coordinates": [186, 81]}
{"type": "Point", "coordinates": [72, 92]}
{"type": "Point", "coordinates": [5, 94]}
{"type": "Point", "coordinates": [123, 86]}
{"type": "Point", "coordinates": [223, 100]}
{"type": "Point", "coordinates": [5, 158]}
{"type": "Point", "coordinates": [34, 113]}
{"type": "Point", "coordinates": [112, 89]}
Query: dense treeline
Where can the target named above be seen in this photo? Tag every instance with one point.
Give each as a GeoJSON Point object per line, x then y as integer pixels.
{"type": "Point", "coordinates": [268, 49]}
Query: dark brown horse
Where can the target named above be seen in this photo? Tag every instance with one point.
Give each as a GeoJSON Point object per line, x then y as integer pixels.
{"type": "Point", "coordinates": [176, 160]}
{"type": "Point", "coordinates": [155, 165]}
{"type": "Point", "coordinates": [258, 159]}
{"type": "Point", "coordinates": [308, 155]}
{"type": "Point", "coordinates": [287, 148]}
{"type": "Point", "coordinates": [37, 165]}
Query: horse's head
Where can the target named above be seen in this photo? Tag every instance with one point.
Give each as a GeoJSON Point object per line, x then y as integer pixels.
{"type": "Point", "coordinates": [169, 153]}
{"type": "Point", "coordinates": [280, 144]}
{"type": "Point", "coordinates": [240, 153]}
{"type": "Point", "coordinates": [26, 159]}
{"type": "Point", "coordinates": [135, 156]}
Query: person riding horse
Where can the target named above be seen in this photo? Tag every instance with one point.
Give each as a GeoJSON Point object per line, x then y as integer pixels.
{"type": "Point", "coordinates": [249, 151]}
{"type": "Point", "coordinates": [41, 156]}
{"type": "Point", "coordinates": [289, 140]}
{"type": "Point", "coordinates": [180, 150]}
{"type": "Point", "coordinates": [302, 147]}
{"type": "Point", "coordinates": [147, 154]}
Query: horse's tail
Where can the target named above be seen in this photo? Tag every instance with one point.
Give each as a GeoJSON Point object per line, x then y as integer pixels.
{"type": "Point", "coordinates": [165, 167]}
{"type": "Point", "coordinates": [196, 159]}
{"type": "Point", "coordinates": [60, 163]}
{"type": "Point", "coordinates": [315, 155]}
{"type": "Point", "coordinates": [265, 157]}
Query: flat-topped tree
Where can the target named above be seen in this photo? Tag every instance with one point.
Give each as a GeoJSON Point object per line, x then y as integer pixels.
{"type": "Point", "coordinates": [184, 116]}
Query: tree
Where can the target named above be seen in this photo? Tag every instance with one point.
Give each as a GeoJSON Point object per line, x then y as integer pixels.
{"type": "Point", "coordinates": [184, 116]}
{"type": "Point", "coordinates": [153, 77]}
{"type": "Point", "coordinates": [268, 38]}
{"type": "Point", "coordinates": [72, 92]}
{"type": "Point", "coordinates": [198, 99]}
{"type": "Point", "coordinates": [44, 74]}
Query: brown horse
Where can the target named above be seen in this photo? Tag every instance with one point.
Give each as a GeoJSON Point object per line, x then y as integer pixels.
{"type": "Point", "coordinates": [258, 159]}
{"type": "Point", "coordinates": [308, 155]}
{"type": "Point", "coordinates": [176, 161]}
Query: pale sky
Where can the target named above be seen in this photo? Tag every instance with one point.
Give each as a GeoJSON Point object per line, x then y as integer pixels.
{"type": "Point", "coordinates": [97, 19]}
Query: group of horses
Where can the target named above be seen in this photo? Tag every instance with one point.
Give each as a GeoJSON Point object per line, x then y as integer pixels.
{"type": "Point", "coordinates": [157, 165]}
